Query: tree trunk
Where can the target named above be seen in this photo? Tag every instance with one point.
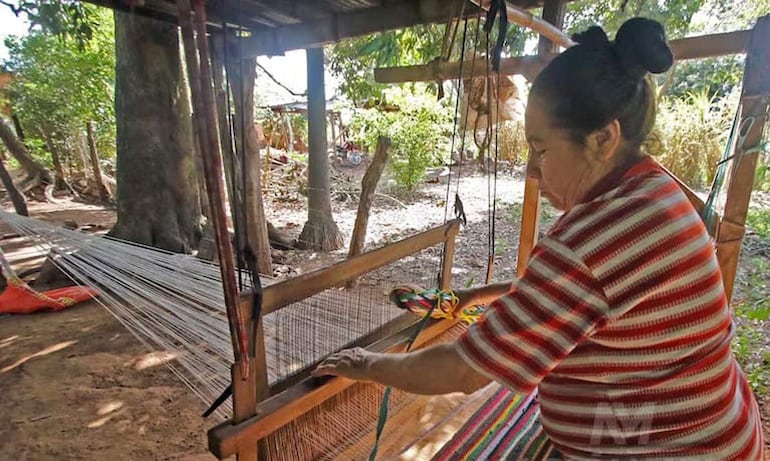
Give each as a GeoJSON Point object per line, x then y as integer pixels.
{"type": "Point", "coordinates": [32, 167]}
{"type": "Point", "coordinates": [96, 168]}
{"type": "Point", "coordinates": [320, 231]}
{"type": "Point", "coordinates": [60, 180]}
{"type": "Point", "coordinates": [157, 194]}
{"type": "Point", "coordinates": [242, 74]}
{"type": "Point", "coordinates": [17, 127]}
{"type": "Point", "coordinates": [19, 204]}
{"type": "Point", "coordinates": [289, 132]}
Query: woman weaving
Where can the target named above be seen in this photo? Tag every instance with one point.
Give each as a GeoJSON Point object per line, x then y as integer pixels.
{"type": "Point", "coordinates": [620, 321]}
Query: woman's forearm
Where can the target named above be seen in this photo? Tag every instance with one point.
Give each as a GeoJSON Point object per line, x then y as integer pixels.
{"type": "Point", "coordinates": [434, 370]}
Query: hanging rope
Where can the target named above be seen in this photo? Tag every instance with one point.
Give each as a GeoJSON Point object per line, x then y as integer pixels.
{"type": "Point", "coordinates": [439, 297]}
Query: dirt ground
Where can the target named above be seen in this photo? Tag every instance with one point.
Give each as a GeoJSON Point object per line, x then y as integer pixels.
{"type": "Point", "coordinates": [75, 385]}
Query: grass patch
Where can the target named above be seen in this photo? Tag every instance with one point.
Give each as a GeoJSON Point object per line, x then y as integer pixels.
{"type": "Point", "coordinates": [758, 220]}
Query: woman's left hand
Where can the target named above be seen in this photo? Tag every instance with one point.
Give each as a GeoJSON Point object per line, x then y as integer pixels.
{"type": "Point", "coordinates": [350, 363]}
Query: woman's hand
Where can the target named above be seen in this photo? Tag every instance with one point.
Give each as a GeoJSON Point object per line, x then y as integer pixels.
{"type": "Point", "coordinates": [350, 363]}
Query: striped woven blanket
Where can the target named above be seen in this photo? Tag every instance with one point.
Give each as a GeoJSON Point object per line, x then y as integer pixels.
{"type": "Point", "coordinates": [506, 427]}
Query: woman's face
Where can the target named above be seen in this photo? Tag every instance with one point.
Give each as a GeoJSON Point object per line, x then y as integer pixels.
{"type": "Point", "coordinates": [565, 169]}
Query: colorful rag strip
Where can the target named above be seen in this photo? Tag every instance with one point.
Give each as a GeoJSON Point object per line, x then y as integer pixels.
{"type": "Point", "coordinates": [19, 298]}
{"type": "Point", "coordinates": [420, 301]}
{"type": "Point", "coordinates": [506, 427]}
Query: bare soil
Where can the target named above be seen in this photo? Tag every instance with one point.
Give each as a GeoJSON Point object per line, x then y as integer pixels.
{"type": "Point", "coordinates": [75, 385]}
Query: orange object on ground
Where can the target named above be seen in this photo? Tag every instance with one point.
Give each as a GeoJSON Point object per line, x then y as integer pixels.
{"type": "Point", "coordinates": [20, 298]}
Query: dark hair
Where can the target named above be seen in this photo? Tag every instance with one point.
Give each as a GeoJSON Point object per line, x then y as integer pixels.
{"type": "Point", "coordinates": [598, 81]}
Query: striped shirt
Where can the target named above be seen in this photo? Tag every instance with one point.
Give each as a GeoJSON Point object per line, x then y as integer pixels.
{"type": "Point", "coordinates": [621, 323]}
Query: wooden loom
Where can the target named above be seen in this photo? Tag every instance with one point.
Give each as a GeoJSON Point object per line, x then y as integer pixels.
{"type": "Point", "coordinates": [256, 417]}
{"type": "Point", "coordinates": [261, 410]}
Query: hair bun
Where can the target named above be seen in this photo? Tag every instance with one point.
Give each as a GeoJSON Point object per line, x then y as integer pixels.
{"type": "Point", "coordinates": [593, 37]}
{"type": "Point", "coordinates": [641, 46]}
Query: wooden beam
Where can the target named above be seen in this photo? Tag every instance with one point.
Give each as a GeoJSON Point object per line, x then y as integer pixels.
{"type": "Point", "coordinates": [338, 26]}
{"type": "Point", "coordinates": [226, 439]}
{"type": "Point", "coordinates": [281, 294]}
{"type": "Point", "coordinates": [686, 48]}
{"type": "Point", "coordinates": [553, 12]}
{"type": "Point", "coordinates": [740, 178]}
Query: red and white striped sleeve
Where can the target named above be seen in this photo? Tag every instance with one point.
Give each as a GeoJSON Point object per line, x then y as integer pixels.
{"type": "Point", "coordinates": [525, 334]}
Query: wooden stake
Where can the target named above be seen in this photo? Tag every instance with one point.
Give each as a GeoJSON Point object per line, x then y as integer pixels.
{"type": "Point", "coordinates": [740, 178]}
{"type": "Point", "coordinates": [368, 187]}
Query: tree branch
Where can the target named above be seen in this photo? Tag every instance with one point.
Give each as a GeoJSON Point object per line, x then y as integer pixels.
{"type": "Point", "coordinates": [275, 80]}
{"type": "Point", "coordinates": [16, 10]}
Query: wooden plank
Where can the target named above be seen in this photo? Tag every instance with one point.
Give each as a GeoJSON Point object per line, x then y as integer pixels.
{"type": "Point", "coordinates": [685, 48]}
{"type": "Point", "coordinates": [528, 66]}
{"type": "Point", "coordinates": [740, 178]}
{"type": "Point", "coordinates": [225, 439]}
{"type": "Point", "coordinates": [709, 46]}
{"type": "Point", "coordinates": [338, 26]}
{"type": "Point", "coordinates": [281, 294]}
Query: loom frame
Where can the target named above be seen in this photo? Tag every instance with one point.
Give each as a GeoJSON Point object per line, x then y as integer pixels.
{"type": "Point", "coordinates": [256, 412]}
{"type": "Point", "coordinates": [261, 409]}
{"type": "Point", "coordinates": [241, 438]}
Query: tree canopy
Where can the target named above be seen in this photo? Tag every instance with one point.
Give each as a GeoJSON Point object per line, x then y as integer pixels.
{"type": "Point", "coordinates": [59, 83]}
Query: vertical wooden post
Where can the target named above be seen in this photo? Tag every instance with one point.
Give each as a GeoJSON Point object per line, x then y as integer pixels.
{"type": "Point", "coordinates": [553, 12]}
{"type": "Point", "coordinates": [449, 255]}
{"type": "Point", "coordinates": [247, 393]}
{"type": "Point", "coordinates": [740, 179]}
{"type": "Point", "coordinates": [244, 373]}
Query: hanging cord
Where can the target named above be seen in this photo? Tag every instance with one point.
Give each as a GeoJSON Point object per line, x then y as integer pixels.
{"type": "Point", "coordinates": [492, 178]}
{"type": "Point", "coordinates": [459, 210]}
{"type": "Point", "coordinates": [455, 121]}
{"type": "Point", "coordinates": [460, 214]}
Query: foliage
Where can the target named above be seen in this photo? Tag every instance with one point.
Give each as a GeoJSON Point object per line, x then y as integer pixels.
{"type": "Point", "coordinates": [675, 15]}
{"type": "Point", "coordinates": [59, 86]}
{"type": "Point", "coordinates": [419, 132]}
{"type": "Point", "coordinates": [717, 77]}
{"type": "Point", "coordinates": [752, 314]}
{"type": "Point", "coordinates": [758, 220]}
{"type": "Point", "coordinates": [690, 134]}
{"type": "Point", "coordinates": [512, 141]}
{"type": "Point", "coordinates": [67, 19]}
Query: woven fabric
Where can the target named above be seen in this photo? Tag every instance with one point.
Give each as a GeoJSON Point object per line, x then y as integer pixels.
{"type": "Point", "coordinates": [506, 427]}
